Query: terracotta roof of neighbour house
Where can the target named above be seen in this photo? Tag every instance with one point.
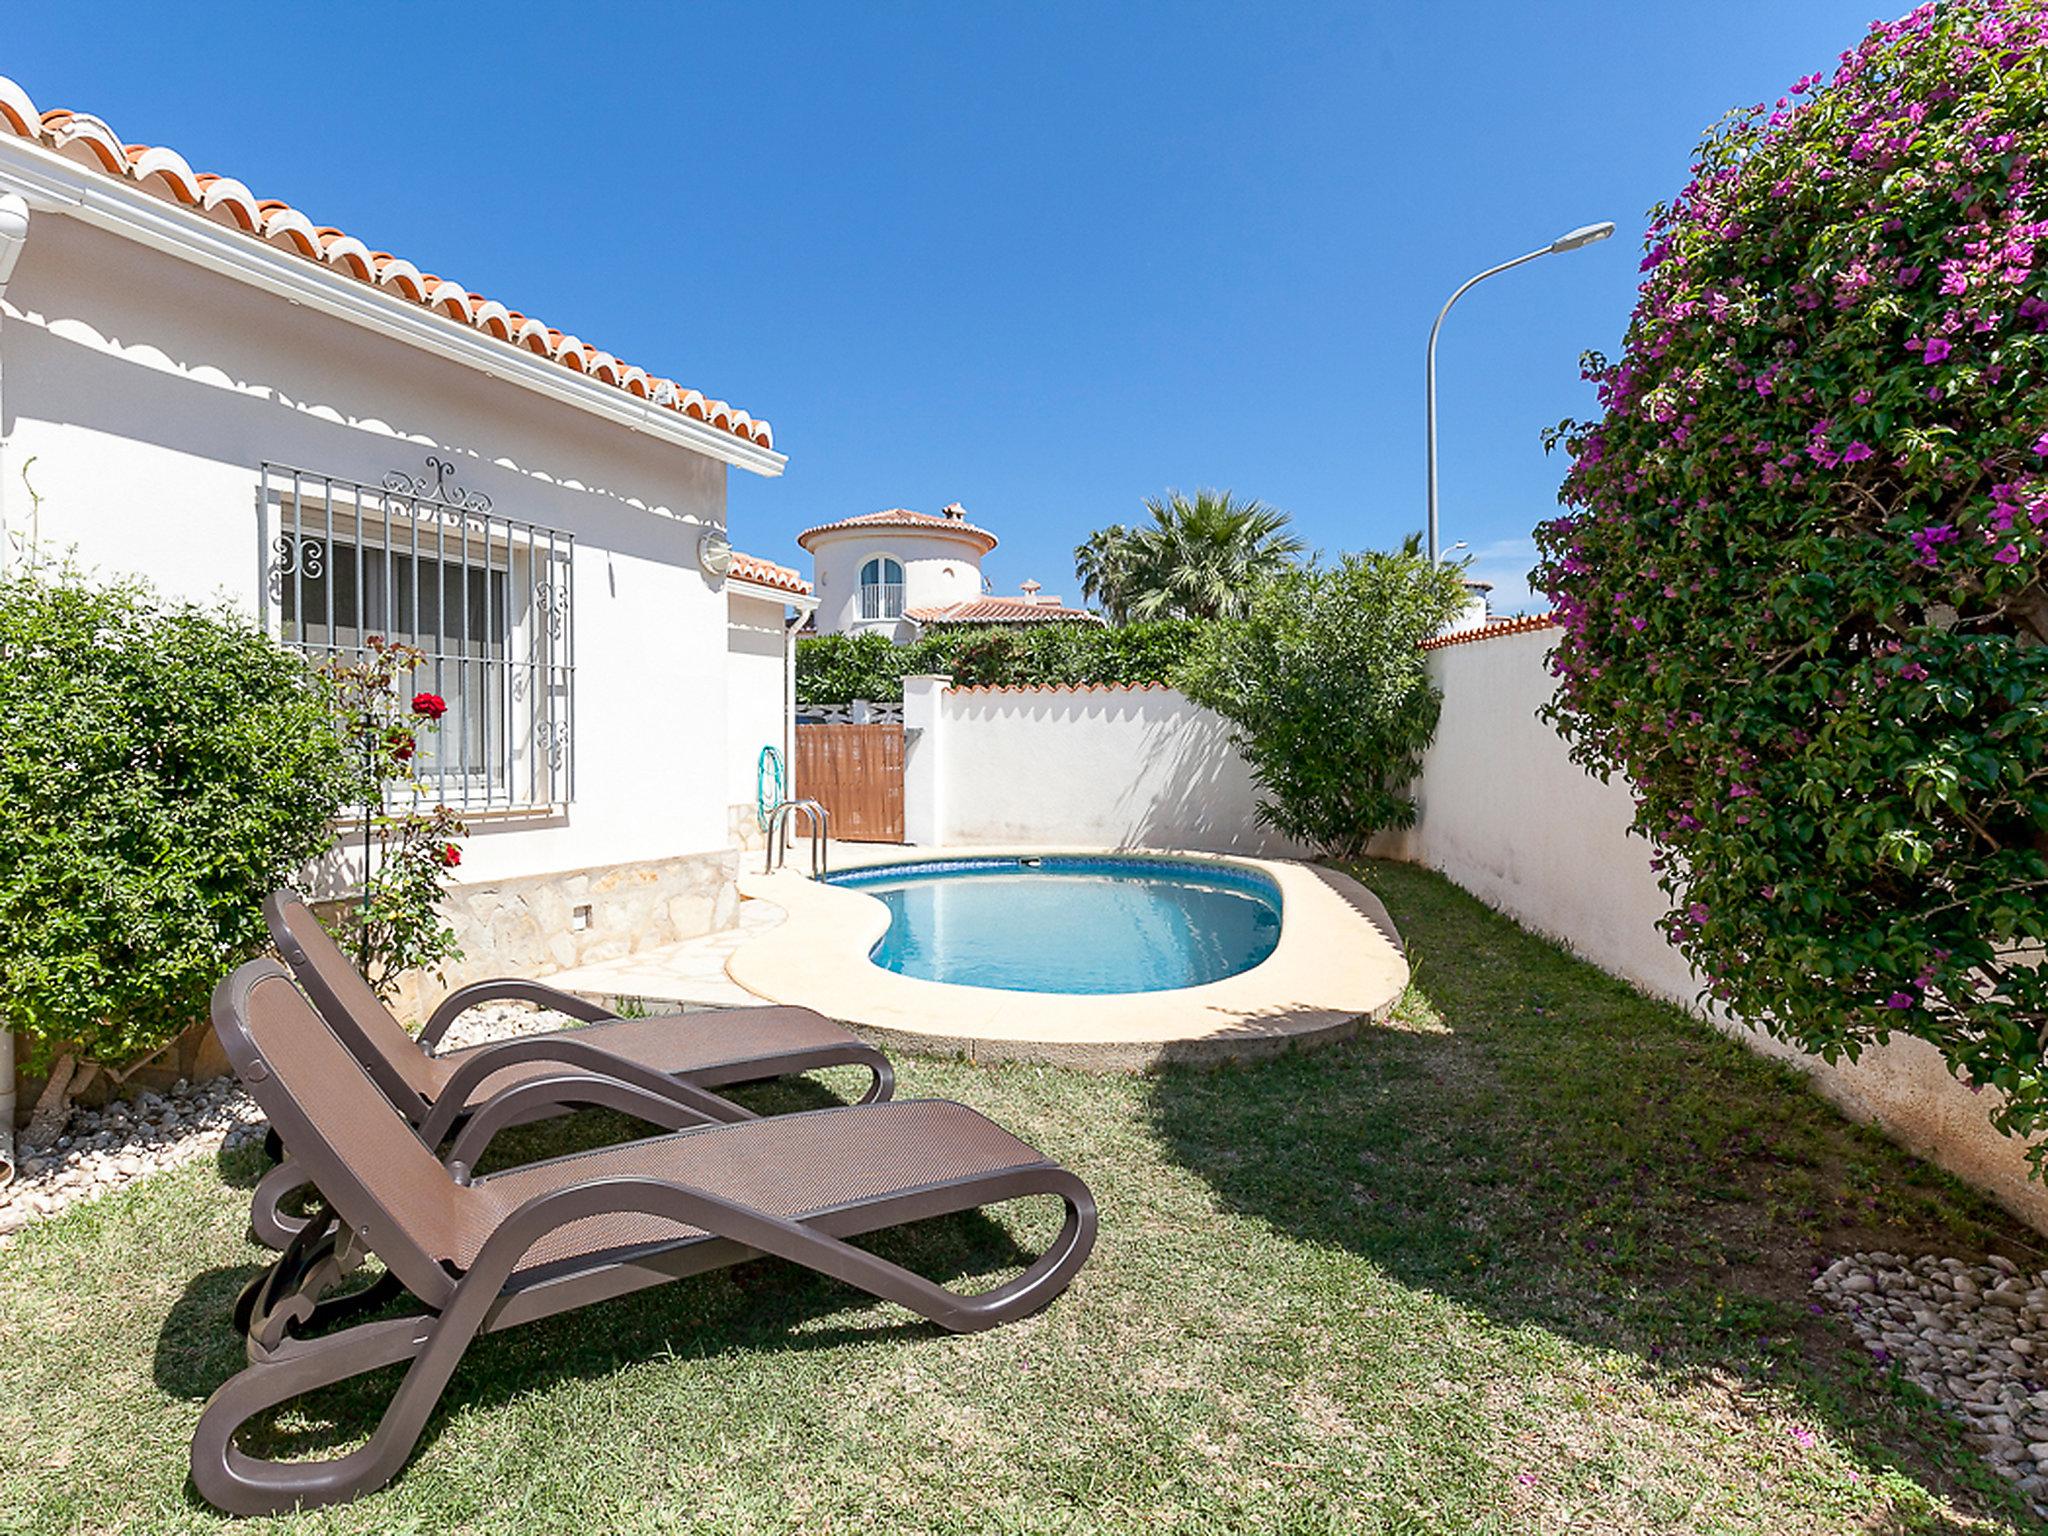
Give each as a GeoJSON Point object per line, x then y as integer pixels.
{"type": "Point", "coordinates": [766, 573]}
{"type": "Point", "coordinates": [901, 517]}
{"type": "Point", "coordinates": [89, 141]}
{"type": "Point", "coordinates": [1492, 629]}
{"type": "Point", "coordinates": [1001, 610]}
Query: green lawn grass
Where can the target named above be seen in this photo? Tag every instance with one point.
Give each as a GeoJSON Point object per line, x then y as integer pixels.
{"type": "Point", "coordinates": [1530, 1257]}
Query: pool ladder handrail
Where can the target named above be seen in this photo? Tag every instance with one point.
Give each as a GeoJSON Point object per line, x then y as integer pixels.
{"type": "Point", "coordinates": [821, 835]}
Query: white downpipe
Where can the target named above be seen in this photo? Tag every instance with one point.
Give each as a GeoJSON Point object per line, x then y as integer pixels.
{"type": "Point", "coordinates": [13, 235]}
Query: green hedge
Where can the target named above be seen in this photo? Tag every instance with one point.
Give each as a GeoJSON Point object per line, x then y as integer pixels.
{"type": "Point", "coordinates": [837, 669]}
{"type": "Point", "coordinates": [163, 768]}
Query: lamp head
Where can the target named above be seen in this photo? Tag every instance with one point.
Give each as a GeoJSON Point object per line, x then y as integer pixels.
{"type": "Point", "coordinates": [1585, 234]}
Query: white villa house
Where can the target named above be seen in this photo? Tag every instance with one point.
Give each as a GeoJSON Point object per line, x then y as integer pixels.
{"type": "Point", "coordinates": [899, 573]}
{"type": "Point", "coordinates": [213, 391]}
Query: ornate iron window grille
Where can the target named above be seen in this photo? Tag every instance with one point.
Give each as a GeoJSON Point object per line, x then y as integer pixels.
{"type": "Point", "coordinates": [422, 560]}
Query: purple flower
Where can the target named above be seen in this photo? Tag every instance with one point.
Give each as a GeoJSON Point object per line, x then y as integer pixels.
{"type": "Point", "coordinates": [2041, 445]}
{"type": "Point", "coordinates": [1856, 453]}
{"type": "Point", "coordinates": [2008, 555]}
{"type": "Point", "coordinates": [1697, 912]}
{"type": "Point", "coordinates": [1937, 350]}
{"type": "Point", "coordinates": [1899, 1000]}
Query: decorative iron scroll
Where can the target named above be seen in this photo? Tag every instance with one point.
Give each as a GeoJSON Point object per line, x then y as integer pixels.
{"type": "Point", "coordinates": [552, 738]}
{"type": "Point", "coordinates": [436, 484]}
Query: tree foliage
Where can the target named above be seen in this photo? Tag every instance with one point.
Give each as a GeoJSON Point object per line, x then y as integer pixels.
{"type": "Point", "coordinates": [1801, 567]}
{"type": "Point", "coordinates": [1327, 693]}
{"type": "Point", "coordinates": [163, 767]}
{"type": "Point", "coordinates": [1198, 558]}
{"type": "Point", "coordinates": [837, 669]}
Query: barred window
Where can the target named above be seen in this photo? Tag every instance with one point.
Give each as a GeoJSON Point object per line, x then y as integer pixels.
{"type": "Point", "coordinates": [485, 597]}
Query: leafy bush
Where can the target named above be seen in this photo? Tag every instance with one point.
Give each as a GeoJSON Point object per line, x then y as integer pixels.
{"type": "Point", "coordinates": [837, 669]}
{"type": "Point", "coordinates": [1800, 573]}
{"type": "Point", "coordinates": [1327, 694]}
{"type": "Point", "coordinates": [163, 767]}
{"type": "Point", "coordinates": [395, 925]}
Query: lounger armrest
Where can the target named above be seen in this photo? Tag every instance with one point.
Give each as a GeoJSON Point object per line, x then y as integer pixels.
{"type": "Point", "coordinates": [454, 1099]}
{"type": "Point", "coordinates": [535, 1096]}
{"type": "Point", "coordinates": [457, 1003]}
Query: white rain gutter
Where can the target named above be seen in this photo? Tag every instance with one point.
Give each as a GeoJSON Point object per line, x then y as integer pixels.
{"type": "Point", "coordinates": [51, 182]}
{"type": "Point", "coordinates": [13, 236]}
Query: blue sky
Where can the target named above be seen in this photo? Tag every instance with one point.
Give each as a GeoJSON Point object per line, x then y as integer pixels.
{"type": "Point", "coordinates": [1044, 259]}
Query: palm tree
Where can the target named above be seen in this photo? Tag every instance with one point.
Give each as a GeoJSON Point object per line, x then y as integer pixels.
{"type": "Point", "coordinates": [1203, 558]}
{"type": "Point", "coordinates": [1105, 564]}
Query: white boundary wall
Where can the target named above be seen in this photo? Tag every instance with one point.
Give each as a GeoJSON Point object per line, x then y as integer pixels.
{"type": "Point", "coordinates": [1104, 767]}
{"type": "Point", "coordinates": [1508, 816]}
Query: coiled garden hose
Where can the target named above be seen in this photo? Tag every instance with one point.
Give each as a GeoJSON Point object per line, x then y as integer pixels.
{"type": "Point", "coordinates": [769, 784]}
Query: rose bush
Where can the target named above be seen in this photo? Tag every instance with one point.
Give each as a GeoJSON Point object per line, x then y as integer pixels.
{"type": "Point", "coordinates": [394, 925]}
{"type": "Point", "coordinates": [1800, 569]}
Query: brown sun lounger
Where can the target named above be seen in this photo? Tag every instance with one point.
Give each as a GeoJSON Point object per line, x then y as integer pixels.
{"type": "Point", "coordinates": [656, 1068]}
{"type": "Point", "coordinates": [484, 1254]}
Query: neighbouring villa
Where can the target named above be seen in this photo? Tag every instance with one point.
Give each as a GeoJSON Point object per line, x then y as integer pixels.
{"type": "Point", "coordinates": [901, 574]}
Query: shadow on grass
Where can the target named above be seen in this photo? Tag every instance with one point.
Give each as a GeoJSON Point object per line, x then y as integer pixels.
{"type": "Point", "coordinates": [1536, 1140]}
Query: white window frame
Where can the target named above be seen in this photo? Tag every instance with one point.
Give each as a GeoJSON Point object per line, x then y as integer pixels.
{"type": "Point", "coordinates": [863, 587]}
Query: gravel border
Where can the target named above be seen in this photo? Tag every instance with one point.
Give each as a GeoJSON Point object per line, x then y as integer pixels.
{"type": "Point", "coordinates": [108, 1148]}
{"type": "Point", "coordinates": [1972, 1336]}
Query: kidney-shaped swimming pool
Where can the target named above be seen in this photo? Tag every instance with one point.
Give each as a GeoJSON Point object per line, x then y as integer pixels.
{"type": "Point", "coordinates": [1071, 924]}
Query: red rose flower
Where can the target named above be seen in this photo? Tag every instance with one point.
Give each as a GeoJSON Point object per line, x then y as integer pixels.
{"type": "Point", "coordinates": [451, 855]}
{"type": "Point", "coordinates": [403, 747]}
{"type": "Point", "coordinates": [432, 705]}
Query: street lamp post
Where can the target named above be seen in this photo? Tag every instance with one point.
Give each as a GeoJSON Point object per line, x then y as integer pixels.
{"type": "Point", "coordinates": [1586, 234]}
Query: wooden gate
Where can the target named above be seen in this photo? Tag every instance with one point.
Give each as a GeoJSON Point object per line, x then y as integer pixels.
{"type": "Point", "coordinates": [856, 773]}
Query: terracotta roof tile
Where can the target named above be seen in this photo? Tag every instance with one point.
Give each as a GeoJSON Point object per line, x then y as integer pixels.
{"type": "Point", "coordinates": [766, 573]}
{"type": "Point", "coordinates": [1493, 629]}
{"type": "Point", "coordinates": [901, 517]}
{"type": "Point", "coordinates": [86, 139]}
{"type": "Point", "coordinates": [1001, 610]}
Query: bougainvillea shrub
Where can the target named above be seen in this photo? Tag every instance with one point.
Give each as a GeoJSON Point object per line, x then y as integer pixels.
{"type": "Point", "coordinates": [1800, 566]}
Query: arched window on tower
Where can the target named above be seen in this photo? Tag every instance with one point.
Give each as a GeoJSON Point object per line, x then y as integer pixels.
{"type": "Point", "coordinates": [881, 589]}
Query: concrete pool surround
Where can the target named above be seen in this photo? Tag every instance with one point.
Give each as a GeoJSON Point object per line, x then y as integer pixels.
{"type": "Point", "coordinates": [1338, 961]}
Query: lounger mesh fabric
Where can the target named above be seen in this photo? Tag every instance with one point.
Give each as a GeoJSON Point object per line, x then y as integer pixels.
{"type": "Point", "coordinates": [670, 1044]}
{"type": "Point", "coordinates": [365, 1009]}
{"type": "Point", "coordinates": [352, 1116]}
{"type": "Point", "coordinates": [793, 1166]}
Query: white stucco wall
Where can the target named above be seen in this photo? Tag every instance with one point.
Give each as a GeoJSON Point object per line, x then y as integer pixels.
{"type": "Point", "coordinates": [755, 711]}
{"type": "Point", "coordinates": [1098, 767]}
{"type": "Point", "coordinates": [147, 391]}
{"type": "Point", "coordinates": [1507, 815]}
{"type": "Point", "coordinates": [938, 568]}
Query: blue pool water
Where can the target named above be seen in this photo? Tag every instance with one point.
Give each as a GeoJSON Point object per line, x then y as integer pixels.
{"type": "Point", "coordinates": [1071, 924]}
